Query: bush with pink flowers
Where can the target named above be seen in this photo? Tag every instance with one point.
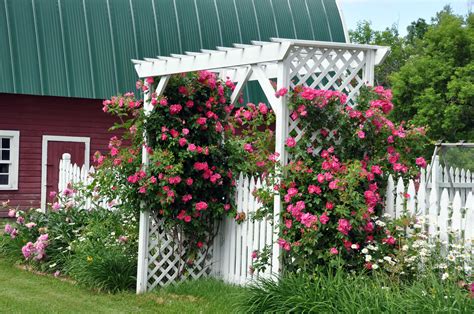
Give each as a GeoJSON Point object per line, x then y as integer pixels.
{"type": "Point", "coordinates": [188, 182]}
{"type": "Point", "coordinates": [333, 187]}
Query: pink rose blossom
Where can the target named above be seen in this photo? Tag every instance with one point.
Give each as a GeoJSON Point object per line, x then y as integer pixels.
{"type": "Point", "coordinates": [201, 206]}
{"type": "Point", "coordinates": [324, 218]}
{"type": "Point", "coordinates": [201, 121]}
{"type": "Point", "coordinates": [361, 134]}
{"type": "Point", "coordinates": [344, 226]}
{"type": "Point", "coordinates": [11, 213]}
{"type": "Point", "coordinates": [420, 161]}
{"type": "Point", "coordinates": [291, 142]}
{"type": "Point", "coordinates": [333, 251]}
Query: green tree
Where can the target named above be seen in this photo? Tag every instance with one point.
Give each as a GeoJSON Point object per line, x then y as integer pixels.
{"type": "Point", "coordinates": [435, 87]}
{"type": "Point", "coordinates": [364, 34]}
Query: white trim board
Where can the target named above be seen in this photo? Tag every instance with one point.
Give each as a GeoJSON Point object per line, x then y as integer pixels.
{"type": "Point", "coordinates": [44, 158]}
{"type": "Point", "coordinates": [13, 175]}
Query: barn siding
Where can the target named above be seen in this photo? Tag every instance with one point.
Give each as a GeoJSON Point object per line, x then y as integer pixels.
{"type": "Point", "coordinates": [35, 116]}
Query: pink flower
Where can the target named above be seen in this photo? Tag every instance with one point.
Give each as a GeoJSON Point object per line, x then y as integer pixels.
{"type": "Point", "coordinates": [420, 161]}
{"type": "Point", "coordinates": [281, 92]}
{"type": "Point", "coordinates": [123, 239]}
{"type": "Point", "coordinates": [361, 134]}
{"type": "Point", "coordinates": [30, 225]}
{"type": "Point", "coordinates": [142, 190]}
{"type": "Point", "coordinates": [329, 205]}
{"type": "Point", "coordinates": [254, 254]}
{"type": "Point", "coordinates": [186, 198]}
{"type": "Point", "coordinates": [248, 147]}
{"type": "Point", "coordinates": [333, 251]}
{"type": "Point", "coordinates": [187, 218]}
{"type": "Point", "coordinates": [11, 213]}
{"type": "Point", "coordinates": [290, 142]}
{"type": "Point", "coordinates": [344, 226]}
{"type": "Point", "coordinates": [56, 206]}
{"type": "Point", "coordinates": [133, 178]}
{"type": "Point", "coordinates": [288, 223]}
{"type": "Point", "coordinates": [8, 229]}
{"type": "Point", "coordinates": [28, 249]}
{"type": "Point", "coordinates": [262, 108]}
{"type": "Point", "coordinates": [189, 181]}
{"type": "Point", "coordinates": [14, 233]}
{"type": "Point", "coordinates": [324, 218]}
{"type": "Point", "coordinates": [201, 121]}
{"type": "Point", "coordinates": [308, 219]}
{"type": "Point", "coordinates": [20, 220]}
{"type": "Point", "coordinates": [283, 244]}
{"type": "Point", "coordinates": [333, 184]}
{"type": "Point", "coordinates": [57, 273]}
{"type": "Point", "coordinates": [201, 206]}
{"type": "Point", "coordinates": [52, 194]}
{"type": "Point", "coordinates": [321, 178]}
{"type": "Point", "coordinates": [150, 80]}
{"type": "Point", "coordinates": [192, 147]}
{"type": "Point", "coordinates": [390, 240]}
{"type": "Point", "coordinates": [314, 189]}
{"type": "Point", "coordinates": [376, 170]}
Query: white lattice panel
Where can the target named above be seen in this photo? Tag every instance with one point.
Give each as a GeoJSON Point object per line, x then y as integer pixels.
{"type": "Point", "coordinates": [166, 265]}
{"type": "Point", "coordinates": [342, 70]}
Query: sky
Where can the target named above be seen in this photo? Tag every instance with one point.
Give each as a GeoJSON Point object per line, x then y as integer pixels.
{"type": "Point", "coordinates": [384, 13]}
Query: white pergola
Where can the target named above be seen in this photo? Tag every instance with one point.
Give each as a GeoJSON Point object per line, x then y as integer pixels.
{"type": "Point", "coordinates": [325, 65]}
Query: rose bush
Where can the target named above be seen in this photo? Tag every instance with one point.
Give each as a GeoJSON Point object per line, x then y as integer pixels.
{"type": "Point", "coordinates": [333, 187]}
{"type": "Point", "coordinates": [188, 182]}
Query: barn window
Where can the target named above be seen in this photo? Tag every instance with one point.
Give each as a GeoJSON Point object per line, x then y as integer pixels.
{"type": "Point", "coordinates": [9, 148]}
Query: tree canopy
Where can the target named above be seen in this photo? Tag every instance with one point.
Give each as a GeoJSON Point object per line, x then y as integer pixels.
{"type": "Point", "coordinates": [431, 73]}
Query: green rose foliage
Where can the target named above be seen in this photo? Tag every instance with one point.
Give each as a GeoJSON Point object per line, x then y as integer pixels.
{"type": "Point", "coordinates": [188, 181]}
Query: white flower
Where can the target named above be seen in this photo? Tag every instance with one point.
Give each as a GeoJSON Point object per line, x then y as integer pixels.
{"type": "Point", "coordinates": [445, 276]}
{"type": "Point", "coordinates": [354, 246]}
{"type": "Point", "coordinates": [365, 251]}
{"type": "Point", "coordinates": [451, 258]}
{"type": "Point", "coordinates": [52, 265]}
{"type": "Point", "coordinates": [442, 266]}
{"type": "Point", "coordinates": [405, 248]}
{"type": "Point", "coordinates": [375, 266]}
{"type": "Point", "coordinates": [417, 226]}
{"type": "Point", "coordinates": [112, 233]}
{"type": "Point", "coordinates": [387, 258]}
{"type": "Point", "coordinates": [380, 223]}
{"type": "Point", "coordinates": [368, 258]}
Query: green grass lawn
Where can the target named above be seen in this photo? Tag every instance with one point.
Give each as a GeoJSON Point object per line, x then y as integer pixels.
{"type": "Point", "coordinates": [25, 292]}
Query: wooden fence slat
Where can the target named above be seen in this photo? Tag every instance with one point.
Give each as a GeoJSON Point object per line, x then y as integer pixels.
{"type": "Point", "coordinates": [456, 217]}
{"type": "Point", "coordinates": [389, 197]}
{"type": "Point", "coordinates": [443, 216]}
{"type": "Point", "coordinates": [399, 198]}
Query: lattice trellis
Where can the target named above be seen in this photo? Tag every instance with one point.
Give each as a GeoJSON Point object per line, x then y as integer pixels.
{"type": "Point", "coordinates": [167, 262]}
{"type": "Point", "coordinates": [344, 70]}
{"type": "Point", "coordinates": [324, 65]}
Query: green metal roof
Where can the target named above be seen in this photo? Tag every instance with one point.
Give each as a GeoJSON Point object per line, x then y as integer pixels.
{"type": "Point", "coordinates": [82, 48]}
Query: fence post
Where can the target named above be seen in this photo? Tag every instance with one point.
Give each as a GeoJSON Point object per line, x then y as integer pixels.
{"type": "Point", "coordinates": [433, 202]}
{"type": "Point", "coordinates": [142, 267]}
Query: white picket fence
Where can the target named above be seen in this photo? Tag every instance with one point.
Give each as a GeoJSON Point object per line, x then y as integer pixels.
{"type": "Point", "coordinates": [446, 207]}
{"type": "Point", "coordinates": [235, 243]}
{"type": "Point", "coordinates": [450, 211]}
{"type": "Point", "coordinates": [72, 174]}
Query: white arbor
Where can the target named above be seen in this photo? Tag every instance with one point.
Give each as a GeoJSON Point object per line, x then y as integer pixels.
{"type": "Point", "coordinates": [324, 65]}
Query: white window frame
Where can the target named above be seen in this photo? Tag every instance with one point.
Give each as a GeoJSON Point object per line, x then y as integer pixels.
{"type": "Point", "coordinates": [14, 159]}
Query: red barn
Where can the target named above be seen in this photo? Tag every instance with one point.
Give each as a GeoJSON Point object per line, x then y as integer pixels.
{"type": "Point", "coordinates": [59, 59]}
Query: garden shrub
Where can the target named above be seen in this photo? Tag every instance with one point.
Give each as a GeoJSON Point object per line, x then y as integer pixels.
{"type": "Point", "coordinates": [333, 188]}
{"type": "Point", "coordinates": [188, 182]}
{"type": "Point", "coordinates": [97, 247]}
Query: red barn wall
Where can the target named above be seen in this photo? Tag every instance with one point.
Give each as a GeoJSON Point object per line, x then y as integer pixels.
{"type": "Point", "coordinates": [35, 116]}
